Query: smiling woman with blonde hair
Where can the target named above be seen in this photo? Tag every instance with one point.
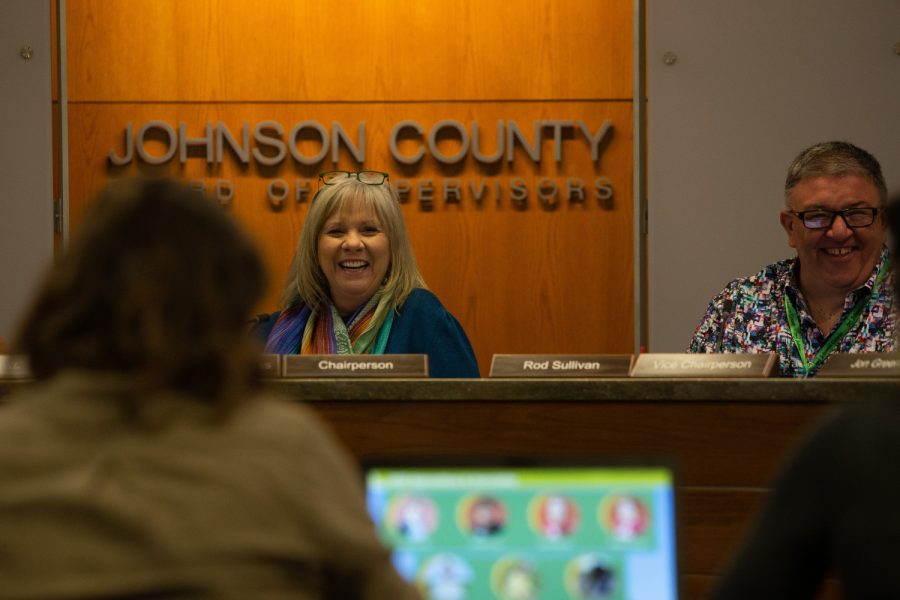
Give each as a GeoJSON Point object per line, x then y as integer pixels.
{"type": "Point", "coordinates": [354, 287]}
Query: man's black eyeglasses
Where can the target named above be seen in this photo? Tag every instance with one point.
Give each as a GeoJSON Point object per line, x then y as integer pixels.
{"type": "Point", "coordinates": [821, 218]}
{"type": "Point", "coordinates": [367, 177]}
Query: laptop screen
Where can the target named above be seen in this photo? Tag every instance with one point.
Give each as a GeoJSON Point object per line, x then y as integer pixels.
{"type": "Point", "coordinates": [541, 531]}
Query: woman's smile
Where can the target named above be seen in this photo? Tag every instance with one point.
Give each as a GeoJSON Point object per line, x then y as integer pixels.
{"type": "Point", "coordinates": [354, 255]}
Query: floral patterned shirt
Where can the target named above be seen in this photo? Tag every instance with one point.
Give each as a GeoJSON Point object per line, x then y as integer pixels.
{"type": "Point", "coordinates": [749, 316]}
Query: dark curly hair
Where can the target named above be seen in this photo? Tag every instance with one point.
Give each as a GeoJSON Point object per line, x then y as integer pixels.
{"type": "Point", "coordinates": [157, 284]}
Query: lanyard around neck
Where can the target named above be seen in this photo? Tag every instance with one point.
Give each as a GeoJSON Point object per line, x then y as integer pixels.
{"type": "Point", "coordinates": [838, 334]}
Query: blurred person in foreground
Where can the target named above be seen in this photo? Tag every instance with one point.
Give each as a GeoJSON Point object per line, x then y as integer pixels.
{"type": "Point", "coordinates": [145, 462]}
{"type": "Point", "coordinates": [834, 509]}
{"type": "Point", "coordinates": [354, 286]}
{"type": "Point", "coordinates": [837, 294]}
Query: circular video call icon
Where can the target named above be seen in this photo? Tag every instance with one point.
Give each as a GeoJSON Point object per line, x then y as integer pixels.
{"type": "Point", "coordinates": [591, 576]}
{"type": "Point", "coordinates": [513, 578]}
{"type": "Point", "coordinates": [482, 515]}
{"type": "Point", "coordinates": [445, 577]}
{"type": "Point", "coordinates": [625, 517]}
{"type": "Point", "coordinates": [413, 518]}
{"type": "Point", "coordinates": [554, 516]}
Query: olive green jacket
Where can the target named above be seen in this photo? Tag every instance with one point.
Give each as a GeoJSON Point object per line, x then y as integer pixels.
{"type": "Point", "coordinates": [264, 504]}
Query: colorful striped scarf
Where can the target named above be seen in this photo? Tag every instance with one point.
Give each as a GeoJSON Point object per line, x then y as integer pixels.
{"type": "Point", "coordinates": [301, 330]}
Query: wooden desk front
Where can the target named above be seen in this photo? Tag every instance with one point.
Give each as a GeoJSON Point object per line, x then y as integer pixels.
{"type": "Point", "coordinates": [727, 436]}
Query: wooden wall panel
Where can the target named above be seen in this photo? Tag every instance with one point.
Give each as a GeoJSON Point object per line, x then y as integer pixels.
{"type": "Point", "coordinates": [288, 50]}
{"type": "Point", "coordinates": [54, 94]}
{"type": "Point", "coordinates": [520, 280]}
{"type": "Point", "coordinates": [54, 62]}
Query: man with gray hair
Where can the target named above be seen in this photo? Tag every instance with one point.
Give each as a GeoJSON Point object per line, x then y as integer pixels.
{"type": "Point", "coordinates": [836, 295]}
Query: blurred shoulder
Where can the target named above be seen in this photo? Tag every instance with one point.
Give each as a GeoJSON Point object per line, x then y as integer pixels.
{"type": "Point", "coordinates": [271, 418]}
{"type": "Point", "coordinates": [86, 410]}
{"type": "Point", "coordinates": [18, 417]}
{"type": "Point", "coordinates": [870, 421]}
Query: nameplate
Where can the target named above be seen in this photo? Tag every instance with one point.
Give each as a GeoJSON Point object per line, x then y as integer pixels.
{"type": "Point", "coordinates": [705, 365]}
{"type": "Point", "coordinates": [561, 365]}
{"type": "Point", "coordinates": [355, 365]}
{"type": "Point", "coordinates": [861, 365]}
{"type": "Point", "coordinates": [270, 365]}
{"type": "Point", "coordinates": [14, 367]}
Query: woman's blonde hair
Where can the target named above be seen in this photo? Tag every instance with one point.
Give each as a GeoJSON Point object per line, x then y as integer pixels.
{"type": "Point", "coordinates": [305, 280]}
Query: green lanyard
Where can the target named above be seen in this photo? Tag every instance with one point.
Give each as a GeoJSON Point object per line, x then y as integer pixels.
{"type": "Point", "coordinates": [835, 338]}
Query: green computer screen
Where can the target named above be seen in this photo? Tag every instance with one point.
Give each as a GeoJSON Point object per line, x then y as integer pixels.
{"type": "Point", "coordinates": [529, 532]}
